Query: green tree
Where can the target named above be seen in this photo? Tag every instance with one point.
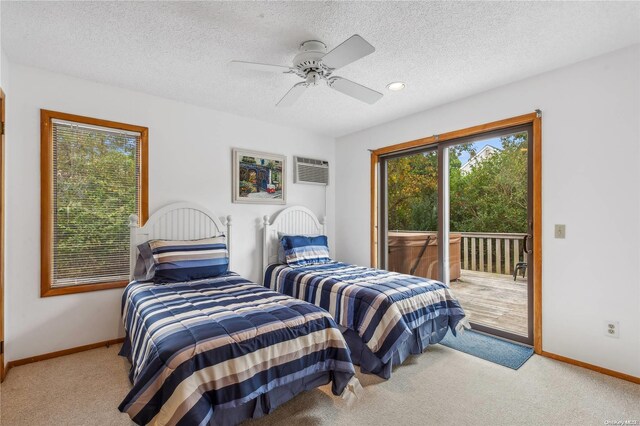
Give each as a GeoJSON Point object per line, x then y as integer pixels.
{"type": "Point", "coordinates": [95, 192]}
{"type": "Point", "coordinates": [412, 188]}
{"type": "Point", "coordinates": [492, 197]}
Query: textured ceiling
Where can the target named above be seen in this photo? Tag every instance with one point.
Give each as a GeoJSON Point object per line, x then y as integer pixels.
{"type": "Point", "coordinates": [443, 51]}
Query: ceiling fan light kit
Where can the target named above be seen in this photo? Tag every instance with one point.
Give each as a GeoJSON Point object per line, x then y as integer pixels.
{"type": "Point", "coordinates": [314, 64]}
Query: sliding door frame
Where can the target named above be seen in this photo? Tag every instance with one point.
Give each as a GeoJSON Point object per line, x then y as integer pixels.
{"type": "Point", "coordinates": [535, 120]}
{"type": "Point", "coordinates": [2, 231]}
{"type": "Point", "coordinates": [444, 224]}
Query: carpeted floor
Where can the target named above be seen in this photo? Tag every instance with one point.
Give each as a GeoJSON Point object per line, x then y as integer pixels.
{"type": "Point", "coordinates": [442, 386]}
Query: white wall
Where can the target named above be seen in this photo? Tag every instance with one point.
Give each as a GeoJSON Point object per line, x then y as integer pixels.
{"type": "Point", "coordinates": [189, 159]}
{"type": "Point", "coordinates": [591, 140]}
{"type": "Point", "coordinates": [3, 72]}
{"type": "Point", "coordinates": [1, 51]}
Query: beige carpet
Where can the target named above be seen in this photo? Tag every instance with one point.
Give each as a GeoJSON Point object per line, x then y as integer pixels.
{"type": "Point", "coordinates": [442, 387]}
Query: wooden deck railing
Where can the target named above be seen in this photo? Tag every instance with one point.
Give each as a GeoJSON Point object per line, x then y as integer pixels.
{"type": "Point", "coordinates": [491, 252]}
{"type": "Point", "coordinates": [479, 251]}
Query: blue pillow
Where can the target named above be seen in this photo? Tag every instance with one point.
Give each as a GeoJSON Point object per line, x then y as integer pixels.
{"type": "Point", "coordinates": [300, 250]}
{"type": "Point", "coordinates": [281, 257]}
{"type": "Point", "coordinates": [179, 261]}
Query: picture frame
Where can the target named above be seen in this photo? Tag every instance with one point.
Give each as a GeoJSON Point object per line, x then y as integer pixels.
{"type": "Point", "coordinates": [258, 177]}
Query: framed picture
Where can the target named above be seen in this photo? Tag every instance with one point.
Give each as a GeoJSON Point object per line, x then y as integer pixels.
{"type": "Point", "coordinates": [258, 177]}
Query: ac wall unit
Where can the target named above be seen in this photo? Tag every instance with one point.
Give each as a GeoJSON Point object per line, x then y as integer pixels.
{"type": "Point", "coordinates": [308, 170]}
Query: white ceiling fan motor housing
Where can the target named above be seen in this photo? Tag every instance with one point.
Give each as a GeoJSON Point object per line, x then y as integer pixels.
{"type": "Point", "coordinates": [308, 61]}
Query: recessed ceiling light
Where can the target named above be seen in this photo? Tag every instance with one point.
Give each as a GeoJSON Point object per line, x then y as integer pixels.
{"type": "Point", "coordinates": [396, 86]}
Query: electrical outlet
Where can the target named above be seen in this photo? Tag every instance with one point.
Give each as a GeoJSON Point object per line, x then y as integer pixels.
{"type": "Point", "coordinates": [560, 231]}
{"type": "Point", "coordinates": [612, 329]}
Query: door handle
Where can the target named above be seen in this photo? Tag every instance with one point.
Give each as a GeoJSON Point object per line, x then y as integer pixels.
{"type": "Point", "coordinates": [525, 244]}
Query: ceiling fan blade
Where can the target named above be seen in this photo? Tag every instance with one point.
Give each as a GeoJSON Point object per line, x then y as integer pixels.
{"type": "Point", "coordinates": [352, 49]}
{"type": "Point", "coordinates": [260, 67]}
{"type": "Point", "coordinates": [354, 90]}
{"type": "Point", "coordinates": [292, 95]}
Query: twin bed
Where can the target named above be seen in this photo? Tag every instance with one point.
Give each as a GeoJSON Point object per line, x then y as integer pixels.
{"type": "Point", "coordinates": [384, 316]}
{"type": "Point", "coordinates": [218, 349]}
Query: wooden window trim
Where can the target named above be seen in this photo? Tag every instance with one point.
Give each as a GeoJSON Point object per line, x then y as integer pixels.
{"type": "Point", "coordinates": [532, 118]}
{"type": "Point", "coordinates": [46, 196]}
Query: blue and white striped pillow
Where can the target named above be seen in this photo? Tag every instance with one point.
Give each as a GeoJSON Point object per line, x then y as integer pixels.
{"type": "Point", "coordinates": [179, 261]}
{"type": "Point", "coordinates": [300, 250]}
{"type": "Point", "coordinates": [282, 259]}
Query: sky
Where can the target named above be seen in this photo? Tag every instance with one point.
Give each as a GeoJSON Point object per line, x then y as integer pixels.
{"type": "Point", "coordinates": [495, 142]}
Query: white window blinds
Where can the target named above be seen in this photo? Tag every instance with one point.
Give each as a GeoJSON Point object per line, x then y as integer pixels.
{"type": "Point", "coordinates": [96, 175]}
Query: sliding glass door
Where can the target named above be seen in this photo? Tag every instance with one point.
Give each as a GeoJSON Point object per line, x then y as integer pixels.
{"type": "Point", "coordinates": [474, 194]}
{"type": "Point", "coordinates": [410, 213]}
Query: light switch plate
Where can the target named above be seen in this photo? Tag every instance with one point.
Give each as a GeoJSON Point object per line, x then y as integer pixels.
{"type": "Point", "coordinates": [560, 231]}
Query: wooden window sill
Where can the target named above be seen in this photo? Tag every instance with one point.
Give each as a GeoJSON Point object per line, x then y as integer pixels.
{"type": "Point", "coordinates": [73, 289]}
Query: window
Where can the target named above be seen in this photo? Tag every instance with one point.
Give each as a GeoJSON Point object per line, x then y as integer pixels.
{"type": "Point", "coordinates": [93, 176]}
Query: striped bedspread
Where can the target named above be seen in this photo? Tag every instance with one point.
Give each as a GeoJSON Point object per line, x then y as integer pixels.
{"type": "Point", "coordinates": [219, 343]}
{"type": "Point", "coordinates": [382, 307]}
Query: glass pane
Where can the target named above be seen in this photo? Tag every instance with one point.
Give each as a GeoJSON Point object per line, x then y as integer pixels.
{"type": "Point", "coordinates": [95, 191]}
{"type": "Point", "coordinates": [412, 214]}
{"type": "Point", "coordinates": [489, 217]}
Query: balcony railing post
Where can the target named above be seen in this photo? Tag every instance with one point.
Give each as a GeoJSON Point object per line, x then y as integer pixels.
{"type": "Point", "coordinates": [481, 243]}
{"type": "Point", "coordinates": [507, 260]}
{"type": "Point", "coordinates": [465, 245]}
{"type": "Point", "coordinates": [489, 256]}
{"type": "Point", "coordinates": [498, 256]}
{"type": "Point", "coordinates": [473, 254]}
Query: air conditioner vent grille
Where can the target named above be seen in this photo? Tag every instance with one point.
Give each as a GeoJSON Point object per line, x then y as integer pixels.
{"type": "Point", "coordinates": [311, 171]}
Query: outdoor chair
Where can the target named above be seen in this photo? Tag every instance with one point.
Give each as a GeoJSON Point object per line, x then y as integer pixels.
{"type": "Point", "coordinates": [520, 266]}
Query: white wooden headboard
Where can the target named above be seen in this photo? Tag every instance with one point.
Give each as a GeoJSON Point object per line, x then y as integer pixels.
{"type": "Point", "coordinates": [177, 221]}
{"type": "Point", "coordinates": [296, 220]}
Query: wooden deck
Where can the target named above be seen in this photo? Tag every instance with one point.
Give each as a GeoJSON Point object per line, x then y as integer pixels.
{"type": "Point", "coordinates": [493, 300]}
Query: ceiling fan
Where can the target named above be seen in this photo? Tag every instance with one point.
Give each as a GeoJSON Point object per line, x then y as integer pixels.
{"type": "Point", "coordinates": [313, 64]}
